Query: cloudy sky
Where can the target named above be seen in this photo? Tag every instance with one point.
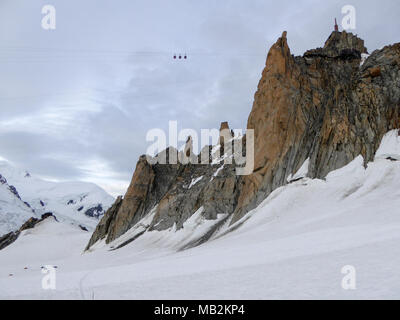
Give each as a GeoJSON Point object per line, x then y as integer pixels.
{"type": "Point", "coordinates": [76, 102]}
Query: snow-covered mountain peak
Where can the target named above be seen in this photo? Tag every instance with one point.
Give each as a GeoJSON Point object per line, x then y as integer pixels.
{"type": "Point", "coordinates": [78, 203]}
{"type": "Point", "coordinates": [13, 211]}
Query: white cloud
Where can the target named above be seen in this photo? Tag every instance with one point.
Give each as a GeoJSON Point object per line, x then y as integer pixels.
{"type": "Point", "coordinates": [76, 103]}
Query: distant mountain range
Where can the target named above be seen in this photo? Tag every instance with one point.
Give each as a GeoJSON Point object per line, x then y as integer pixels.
{"type": "Point", "coordinates": [23, 196]}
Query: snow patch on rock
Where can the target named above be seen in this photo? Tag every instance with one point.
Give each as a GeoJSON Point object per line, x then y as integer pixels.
{"type": "Point", "coordinates": [194, 181]}
{"type": "Point", "coordinates": [301, 173]}
{"type": "Point", "coordinates": [364, 57]}
{"type": "Point", "coordinates": [390, 146]}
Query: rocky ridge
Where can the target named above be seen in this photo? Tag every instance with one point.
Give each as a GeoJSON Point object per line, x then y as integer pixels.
{"type": "Point", "coordinates": [324, 107]}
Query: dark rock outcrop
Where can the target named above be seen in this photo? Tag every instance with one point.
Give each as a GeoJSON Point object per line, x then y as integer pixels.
{"type": "Point", "coordinates": [14, 191]}
{"type": "Point", "coordinates": [83, 228]}
{"type": "Point", "coordinates": [323, 106]}
{"type": "Point", "coordinates": [3, 180]}
{"type": "Point", "coordinates": [94, 212]}
{"type": "Point", "coordinates": [8, 239]}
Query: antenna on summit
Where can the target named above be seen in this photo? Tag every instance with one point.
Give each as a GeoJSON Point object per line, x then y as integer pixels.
{"type": "Point", "coordinates": [336, 26]}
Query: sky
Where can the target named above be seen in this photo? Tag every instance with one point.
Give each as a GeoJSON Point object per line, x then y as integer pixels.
{"type": "Point", "coordinates": [77, 102]}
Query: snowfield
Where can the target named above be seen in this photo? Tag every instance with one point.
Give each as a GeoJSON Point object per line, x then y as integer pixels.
{"type": "Point", "coordinates": [293, 246]}
{"type": "Point", "coordinates": [13, 211]}
{"type": "Point", "coordinates": [71, 202]}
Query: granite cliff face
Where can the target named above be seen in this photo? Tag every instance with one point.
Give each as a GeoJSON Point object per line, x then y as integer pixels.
{"type": "Point", "coordinates": [173, 193]}
{"type": "Point", "coordinates": [323, 106]}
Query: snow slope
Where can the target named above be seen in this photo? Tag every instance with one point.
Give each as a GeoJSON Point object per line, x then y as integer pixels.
{"type": "Point", "coordinates": [73, 202]}
{"type": "Point", "coordinates": [13, 211]}
{"type": "Point", "coordinates": [294, 245]}
{"type": "Point", "coordinates": [390, 146]}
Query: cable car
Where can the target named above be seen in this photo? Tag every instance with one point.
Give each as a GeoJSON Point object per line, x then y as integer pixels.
{"type": "Point", "coordinates": [180, 56]}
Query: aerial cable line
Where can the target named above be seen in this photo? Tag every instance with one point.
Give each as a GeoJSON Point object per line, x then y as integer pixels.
{"type": "Point", "coordinates": [129, 52]}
